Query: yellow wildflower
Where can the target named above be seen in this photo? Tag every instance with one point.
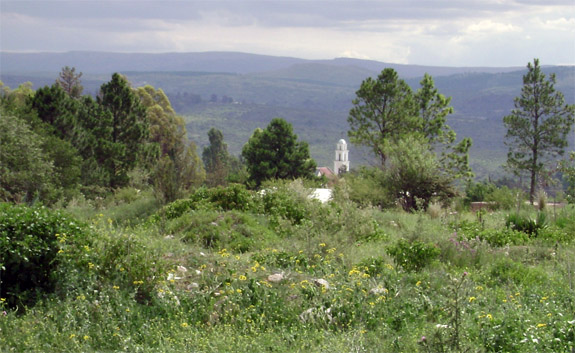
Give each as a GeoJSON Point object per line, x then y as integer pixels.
{"type": "Point", "coordinates": [471, 299]}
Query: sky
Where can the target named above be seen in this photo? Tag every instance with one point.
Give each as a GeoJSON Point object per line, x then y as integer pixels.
{"type": "Point", "coordinates": [424, 32]}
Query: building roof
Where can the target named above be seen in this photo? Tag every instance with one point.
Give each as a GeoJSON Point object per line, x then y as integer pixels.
{"type": "Point", "coordinates": [324, 171]}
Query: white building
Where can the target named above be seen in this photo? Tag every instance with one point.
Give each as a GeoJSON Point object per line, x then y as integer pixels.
{"type": "Point", "coordinates": [341, 162]}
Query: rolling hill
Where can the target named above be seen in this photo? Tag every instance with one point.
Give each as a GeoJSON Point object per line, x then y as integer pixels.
{"type": "Point", "coordinates": [238, 92]}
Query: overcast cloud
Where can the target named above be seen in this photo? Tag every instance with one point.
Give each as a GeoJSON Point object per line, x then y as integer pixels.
{"type": "Point", "coordinates": [425, 32]}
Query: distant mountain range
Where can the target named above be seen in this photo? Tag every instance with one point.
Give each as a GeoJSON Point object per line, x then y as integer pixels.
{"type": "Point", "coordinates": [237, 92]}
{"type": "Point", "coordinates": [230, 62]}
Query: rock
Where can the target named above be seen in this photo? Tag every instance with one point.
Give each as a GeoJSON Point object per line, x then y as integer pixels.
{"type": "Point", "coordinates": [320, 282]}
{"type": "Point", "coordinates": [276, 277]}
{"type": "Point", "coordinates": [192, 286]}
{"type": "Point", "coordinates": [316, 314]}
{"type": "Point", "coordinates": [378, 291]}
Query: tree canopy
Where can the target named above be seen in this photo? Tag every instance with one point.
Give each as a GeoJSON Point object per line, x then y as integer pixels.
{"type": "Point", "coordinates": [537, 128]}
{"type": "Point", "coordinates": [276, 153]}
{"type": "Point", "coordinates": [388, 117]}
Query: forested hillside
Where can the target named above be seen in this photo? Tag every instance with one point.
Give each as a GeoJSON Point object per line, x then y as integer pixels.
{"type": "Point", "coordinates": [237, 93]}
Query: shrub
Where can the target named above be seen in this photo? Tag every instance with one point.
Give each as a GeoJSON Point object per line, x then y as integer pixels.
{"type": "Point", "coordinates": [284, 203]}
{"type": "Point", "coordinates": [233, 230]}
{"type": "Point", "coordinates": [503, 198]}
{"type": "Point", "coordinates": [495, 237]}
{"type": "Point", "coordinates": [233, 197]}
{"type": "Point", "coordinates": [526, 224]}
{"type": "Point", "coordinates": [414, 255]}
{"type": "Point", "coordinates": [30, 242]}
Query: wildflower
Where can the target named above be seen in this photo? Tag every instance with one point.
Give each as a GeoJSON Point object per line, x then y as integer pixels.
{"type": "Point", "coordinates": [243, 278]}
{"type": "Point", "coordinates": [86, 248]}
{"type": "Point", "coordinates": [90, 265]}
{"type": "Point", "coordinates": [471, 299]}
{"type": "Point", "coordinates": [116, 287]}
{"type": "Point", "coordinates": [184, 324]}
{"type": "Point", "coordinates": [465, 274]}
{"type": "Point", "coordinates": [72, 336]}
{"type": "Point", "coordinates": [418, 283]}
{"type": "Point", "coordinates": [479, 288]}
{"type": "Point", "coordinates": [489, 316]}
{"type": "Point", "coordinates": [2, 300]}
{"type": "Point", "coordinates": [60, 251]}
{"type": "Point", "coordinates": [322, 245]}
{"type": "Point", "coordinates": [86, 337]}
{"type": "Point", "coordinates": [128, 310]}
{"type": "Point", "coordinates": [541, 325]}
{"type": "Point", "coordinates": [239, 291]}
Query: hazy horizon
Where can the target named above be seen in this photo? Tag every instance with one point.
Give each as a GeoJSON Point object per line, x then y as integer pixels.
{"type": "Point", "coordinates": [487, 33]}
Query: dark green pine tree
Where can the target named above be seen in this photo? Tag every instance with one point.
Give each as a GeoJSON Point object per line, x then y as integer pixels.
{"type": "Point", "coordinates": [275, 153]}
{"type": "Point", "coordinates": [129, 128]}
{"type": "Point", "coordinates": [537, 128]}
{"type": "Point", "coordinates": [57, 109]}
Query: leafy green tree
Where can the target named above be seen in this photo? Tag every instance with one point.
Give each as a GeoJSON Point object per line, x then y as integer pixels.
{"type": "Point", "coordinates": [178, 167]}
{"type": "Point", "coordinates": [384, 109]}
{"type": "Point", "coordinates": [275, 153]}
{"type": "Point", "coordinates": [70, 82]}
{"type": "Point", "coordinates": [15, 101]}
{"type": "Point", "coordinates": [567, 167]}
{"type": "Point", "coordinates": [130, 128]}
{"type": "Point", "coordinates": [413, 175]}
{"type": "Point", "coordinates": [537, 128]}
{"type": "Point", "coordinates": [216, 158]}
{"type": "Point", "coordinates": [386, 114]}
{"type": "Point", "coordinates": [25, 170]}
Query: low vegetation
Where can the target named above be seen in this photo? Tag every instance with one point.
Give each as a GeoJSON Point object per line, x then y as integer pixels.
{"type": "Point", "coordinates": [229, 269]}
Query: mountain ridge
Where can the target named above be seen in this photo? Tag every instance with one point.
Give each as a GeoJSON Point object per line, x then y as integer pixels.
{"type": "Point", "coordinates": [234, 62]}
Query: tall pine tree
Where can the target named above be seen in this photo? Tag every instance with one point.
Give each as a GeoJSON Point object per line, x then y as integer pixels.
{"type": "Point", "coordinates": [129, 129]}
{"type": "Point", "coordinates": [537, 128]}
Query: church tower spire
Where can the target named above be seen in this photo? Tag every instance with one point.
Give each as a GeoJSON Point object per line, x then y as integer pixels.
{"type": "Point", "coordinates": [341, 162]}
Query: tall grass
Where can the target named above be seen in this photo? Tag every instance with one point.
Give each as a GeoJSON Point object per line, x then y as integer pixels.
{"type": "Point", "coordinates": [184, 284]}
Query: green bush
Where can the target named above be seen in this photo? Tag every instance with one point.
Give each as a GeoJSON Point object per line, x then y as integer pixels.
{"type": "Point", "coordinates": [496, 237]}
{"type": "Point", "coordinates": [525, 224]}
{"type": "Point", "coordinates": [33, 243]}
{"type": "Point", "coordinates": [284, 203]}
{"type": "Point", "coordinates": [413, 256]}
{"type": "Point", "coordinates": [234, 230]}
{"type": "Point", "coordinates": [233, 197]}
{"type": "Point", "coordinates": [503, 198]}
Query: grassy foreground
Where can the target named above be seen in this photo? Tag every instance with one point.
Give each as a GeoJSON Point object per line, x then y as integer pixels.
{"type": "Point", "coordinates": [228, 270]}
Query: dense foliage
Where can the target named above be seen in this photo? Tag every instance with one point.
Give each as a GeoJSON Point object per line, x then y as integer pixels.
{"type": "Point", "coordinates": [230, 269]}
{"type": "Point", "coordinates": [276, 153]}
{"type": "Point", "coordinates": [402, 128]}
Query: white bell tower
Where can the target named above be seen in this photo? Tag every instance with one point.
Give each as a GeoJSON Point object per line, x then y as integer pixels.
{"type": "Point", "coordinates": [341, 162]}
